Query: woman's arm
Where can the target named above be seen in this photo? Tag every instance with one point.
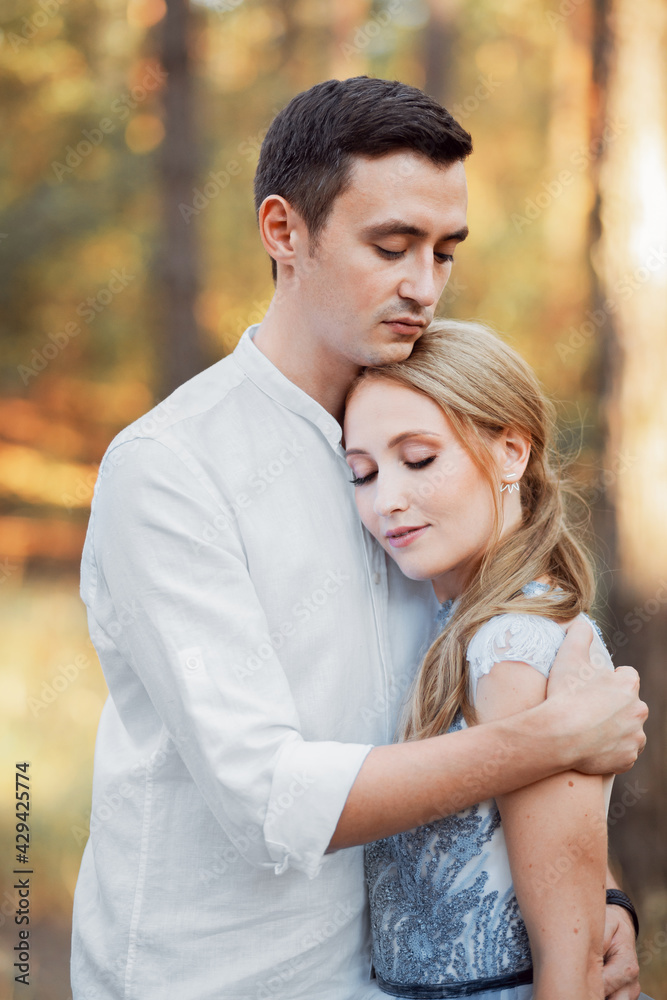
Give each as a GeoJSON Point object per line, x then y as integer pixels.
{"type": "Point", "coordinates": [592, 720]}
{"type": "Point", "coordinates": [555, 832]}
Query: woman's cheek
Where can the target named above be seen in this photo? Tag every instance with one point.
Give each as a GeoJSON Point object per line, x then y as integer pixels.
{"type": "Point", "coordinates": [367, 513]}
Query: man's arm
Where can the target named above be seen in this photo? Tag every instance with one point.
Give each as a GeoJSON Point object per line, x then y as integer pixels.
{"type": "Point", "coordinates": [178, 624]}
{"type": "Point", "coordinates": [591, 721]}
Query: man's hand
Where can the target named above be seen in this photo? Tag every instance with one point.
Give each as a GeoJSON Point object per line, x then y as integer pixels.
{"type": "Point", "coordinates": [621, 968]}
{"type": "Point", "coordinates": [601, 715]}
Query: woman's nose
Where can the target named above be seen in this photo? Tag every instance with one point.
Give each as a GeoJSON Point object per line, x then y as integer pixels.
{"type": "Point", "coordinates": [389, 497]}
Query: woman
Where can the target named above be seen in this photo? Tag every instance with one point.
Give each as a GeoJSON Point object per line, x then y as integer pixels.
{"type": "Point", "coordinates": [450, 452]}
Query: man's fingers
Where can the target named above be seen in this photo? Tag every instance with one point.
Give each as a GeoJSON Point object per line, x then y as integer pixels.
{"type": "Point", "coordinates": [630, 680]}
{"type": "Point", "coordinates": [630, 675]}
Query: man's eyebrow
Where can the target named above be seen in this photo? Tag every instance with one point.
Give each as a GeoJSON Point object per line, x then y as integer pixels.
{"type": "Point", "coordinates": [397, 227]}
{"type": "Point", "coordinates": [395, 440]}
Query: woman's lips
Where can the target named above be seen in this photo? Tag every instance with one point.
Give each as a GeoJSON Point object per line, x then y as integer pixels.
{"type": "Point", "coordinates": [407, 535]}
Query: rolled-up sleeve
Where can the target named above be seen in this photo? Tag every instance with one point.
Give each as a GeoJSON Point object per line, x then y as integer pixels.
{"type": "Point", "coordinates": [191, 622]}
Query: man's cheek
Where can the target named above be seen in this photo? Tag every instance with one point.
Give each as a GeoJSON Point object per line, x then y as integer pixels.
{"type": "Point", "coordinates": [447, 274]}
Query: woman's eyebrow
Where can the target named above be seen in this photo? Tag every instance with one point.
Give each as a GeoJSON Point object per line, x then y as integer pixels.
{"type": "Point", "coordinates": [395, 440]}
{"type": "Point", "coordinates": [409, 434]}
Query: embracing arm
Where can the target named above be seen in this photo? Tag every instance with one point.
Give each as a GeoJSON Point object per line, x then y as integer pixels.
{"type": "Point", "coordinates": [555, 831]}
{"type": "Point", "coordinates": [594, 725]}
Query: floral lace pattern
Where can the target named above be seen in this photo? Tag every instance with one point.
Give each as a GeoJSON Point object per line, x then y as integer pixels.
{"type": "Point", "coordinates": [518, 637]}
{"type": "Point", "coordinates": [443, 908]}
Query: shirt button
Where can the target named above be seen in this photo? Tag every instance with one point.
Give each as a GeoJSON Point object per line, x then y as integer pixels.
{"type": "Point", "coordinates": [192, 663]}
{"type": "Point", "coordinates": [376, 578]}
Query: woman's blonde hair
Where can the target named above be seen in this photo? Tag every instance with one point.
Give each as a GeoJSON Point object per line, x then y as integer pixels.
{"type": "Point", "coordinates": [483, 386]}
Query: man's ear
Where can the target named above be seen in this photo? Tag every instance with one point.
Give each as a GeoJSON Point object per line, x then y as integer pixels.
{"type": "Point", "coordinates": [279, 227]}
{"type": "Point", "coordinates": [515, 452]}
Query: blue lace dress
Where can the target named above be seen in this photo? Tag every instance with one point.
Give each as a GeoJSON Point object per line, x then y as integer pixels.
{"type": "Point", "coordinates": [444, 916]}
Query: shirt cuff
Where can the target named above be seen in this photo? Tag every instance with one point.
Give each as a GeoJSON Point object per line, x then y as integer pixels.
{"type": "Point", "coordinates": [311, 783]}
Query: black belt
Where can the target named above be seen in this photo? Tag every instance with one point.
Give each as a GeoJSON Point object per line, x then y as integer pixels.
{"type": "Point", "coordinates": [415, 991]}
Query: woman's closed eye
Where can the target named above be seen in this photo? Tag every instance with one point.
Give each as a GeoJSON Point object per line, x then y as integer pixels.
{"type": "Point", "coordinates": [362, 480]}
{"type": "Point", "coordinates": [422, 463]}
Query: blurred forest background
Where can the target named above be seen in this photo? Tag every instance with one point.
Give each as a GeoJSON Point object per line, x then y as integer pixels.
{"type": "Point", "coordinates": [129, 259]}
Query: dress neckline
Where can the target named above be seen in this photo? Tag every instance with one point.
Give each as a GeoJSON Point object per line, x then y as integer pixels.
{"type": "Point", "coordinates": [447, 607]}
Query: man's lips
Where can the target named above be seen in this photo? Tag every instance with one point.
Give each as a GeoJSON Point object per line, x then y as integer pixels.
{"type": "Point", "coordinates": [398, 538]}
{"type": "Point", "coordinates": [405, 324]}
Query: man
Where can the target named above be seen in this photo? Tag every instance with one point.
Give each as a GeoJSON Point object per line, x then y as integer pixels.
{"type": "Point", "coordinates": [255, 640]}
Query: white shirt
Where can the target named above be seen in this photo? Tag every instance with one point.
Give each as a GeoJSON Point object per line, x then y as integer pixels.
{"type": "Point", "coordinates": [241, 616]}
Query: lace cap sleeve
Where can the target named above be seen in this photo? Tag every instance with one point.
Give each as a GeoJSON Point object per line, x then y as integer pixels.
{"type": "Point", "coordinates": [522, 638]}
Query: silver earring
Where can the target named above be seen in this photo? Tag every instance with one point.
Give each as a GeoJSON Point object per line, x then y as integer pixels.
{"type": "Point", "coordinates": [510, 487]}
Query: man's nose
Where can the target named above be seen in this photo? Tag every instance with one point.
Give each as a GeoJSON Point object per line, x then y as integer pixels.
{"type": "Point", "coordinates": [420, 284]}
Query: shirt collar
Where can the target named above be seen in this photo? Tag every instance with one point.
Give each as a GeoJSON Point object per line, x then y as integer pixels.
{"type": "Point", "coordinates": [271, 381]}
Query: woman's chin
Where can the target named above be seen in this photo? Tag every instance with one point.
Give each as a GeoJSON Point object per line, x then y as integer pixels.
{"type": "Point", "coordinates": [412, 571]}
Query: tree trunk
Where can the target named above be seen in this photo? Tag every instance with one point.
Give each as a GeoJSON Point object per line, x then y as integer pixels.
{"type": "Point", "coordinates": [179, 346]}
{"type": "Point", "coordinates": [439, 38]}
{"type": "Point", "coordinates": [629, 254]}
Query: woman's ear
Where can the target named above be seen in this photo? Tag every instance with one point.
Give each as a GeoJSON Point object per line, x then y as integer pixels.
{"type": "Point", "coordinates": [278, 223]}
{"type": "Point", "coordinates": [515, 452]}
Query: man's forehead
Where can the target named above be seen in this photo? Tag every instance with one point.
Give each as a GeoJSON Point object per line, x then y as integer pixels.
{"type": "Point", "coordinates": [401, 165]}
{"type": "Point", "coordinates": [405, 193]}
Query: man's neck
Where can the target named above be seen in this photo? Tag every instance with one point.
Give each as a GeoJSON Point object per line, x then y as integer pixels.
{"type": "Point", "coordinates": [287, 341]}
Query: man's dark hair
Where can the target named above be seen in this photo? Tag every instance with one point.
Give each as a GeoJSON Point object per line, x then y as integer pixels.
{"type": "Point", "coordinates": [307, 153]}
